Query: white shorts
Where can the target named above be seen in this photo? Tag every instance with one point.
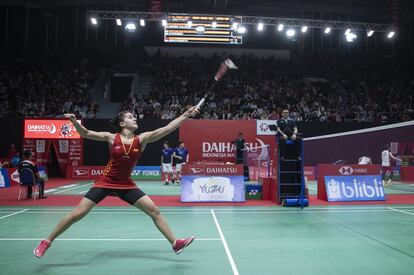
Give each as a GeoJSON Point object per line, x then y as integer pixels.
{"type": "Point", "coordinates": [167, 168]}
{"type": "Point", "coordinates": [179, 167]}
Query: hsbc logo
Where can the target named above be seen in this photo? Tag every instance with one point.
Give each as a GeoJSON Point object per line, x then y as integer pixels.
{"type": "Point", "coordinates": [196, 170]}
{"type": "Point", "coordinates": [346, 170]}
{"type": "Point", "coordinates": [81, 173]}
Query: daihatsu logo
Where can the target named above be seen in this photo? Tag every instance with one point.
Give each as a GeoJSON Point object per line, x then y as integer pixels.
{"type": "Point", "coordinates": [196, 170]}
{"type": "Point", "coordinates": [81, 172]}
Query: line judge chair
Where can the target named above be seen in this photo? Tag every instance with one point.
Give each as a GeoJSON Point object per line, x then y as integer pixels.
{"type": "Point", "coordinates": [28, 179]}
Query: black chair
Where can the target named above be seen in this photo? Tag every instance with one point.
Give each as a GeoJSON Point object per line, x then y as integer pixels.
{"type": "Point", "coordinates": [28, 179]}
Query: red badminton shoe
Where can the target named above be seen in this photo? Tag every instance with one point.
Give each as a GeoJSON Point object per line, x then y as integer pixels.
{"type": "Point", "coordinates": [41, 248]}
{"type": "Point", "coordinates": [179, 244]}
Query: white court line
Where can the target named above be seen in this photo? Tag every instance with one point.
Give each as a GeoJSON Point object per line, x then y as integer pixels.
{"type": "Point", "coordinates": [72, 188]}
{"type": "Point", "coordinates": [233, 265]}
{"type": "Point", "coordinates": [102, 239]}
{"type": "Point", "coordinates": [206, 212]}
{"type": "Point", "coordinates": [402, 211]}
{"type": "Point", "coordinates": [217, 210]}
{"type": "Point", "coordinates": [221, 212]}
{"type": "Point", "coordinates": [68, 186]}
{"type": "Point", "coordinates": [13, 213]}
{"type": "Point", "coordinates": [113, 212]}
{"type": "Point", "coordinates": [50, 190]}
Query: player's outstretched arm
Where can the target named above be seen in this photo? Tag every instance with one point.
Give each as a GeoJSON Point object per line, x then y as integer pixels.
{"type": "Point", "coordinates": [155, 135]}
{"type": "Point", "coordinates": [85, 133]}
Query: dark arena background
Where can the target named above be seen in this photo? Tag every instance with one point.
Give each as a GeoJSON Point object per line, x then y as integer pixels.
{"type": "Point", "coordinates": [299, 158]}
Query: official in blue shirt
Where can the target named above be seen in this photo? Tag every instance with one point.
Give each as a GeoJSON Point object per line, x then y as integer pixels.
{"type": "Point", "coordinates": [181, 154]}
{"type": "Point", "coordinates": [166, 161]}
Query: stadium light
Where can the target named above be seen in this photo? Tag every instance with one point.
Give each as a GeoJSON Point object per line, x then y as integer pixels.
{"type": "Point", "coordinates": [119, 22]}
{"type": "Point", "coordinates": [241, 29]}
{"type": "Point", "coordinates": [130, 27]}
{"type": "Point", "coordinates": [347, 31]}
{"type": "Point", "coordinates": [260, 27]}
{"type": "Point", "coordinates": [280, 27]}
{"type": "Point", "coordinates": [350, 37]}
{"type": "Point", "coordinates": [214, 24]}
{"type": "Point", "coordinates": [290, 32]}
{"type": "Point", "coordinates": [142, 22]}
{"type": "Point", "coordinates": [391, 34]}
{"type": "Point", "coordinates": [304, 29]}
{"type": "Point", "coordinates": [235, 26]}
{"type": "Point", "coordinates": [327, 30]}
{"type": "Point", "coordinates": [164, 22]}
{"type": "Point", "coordinates": [200, 29]}
{"type": "Point", "coordinates": [370, 33]}
{"type": "Point", "coordinates": [94, 21]}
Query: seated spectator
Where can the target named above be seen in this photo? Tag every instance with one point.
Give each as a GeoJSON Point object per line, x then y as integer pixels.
{"type": "Point", "coordinates": [364, 160]}
{"type": "Point", "coordinates": [30, 164]}
{"type": "Point", "coordinates": [15, 160]}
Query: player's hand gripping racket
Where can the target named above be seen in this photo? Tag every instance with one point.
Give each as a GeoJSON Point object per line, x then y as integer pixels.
{"type": "Point", "coordinates": [224, 66]}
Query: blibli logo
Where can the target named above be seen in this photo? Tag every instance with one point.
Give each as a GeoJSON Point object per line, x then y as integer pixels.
{"type": "Point", "coordinates": [346, 188]}
{"type": "Point", "coordinates": [361, 189]}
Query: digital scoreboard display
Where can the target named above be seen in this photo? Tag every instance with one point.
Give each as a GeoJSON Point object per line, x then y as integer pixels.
{"type": "Point", "coordinates": [202, 29]}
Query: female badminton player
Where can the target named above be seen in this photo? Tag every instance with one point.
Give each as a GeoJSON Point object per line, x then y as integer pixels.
{"type": "Point", "coordinates": [125, 150]}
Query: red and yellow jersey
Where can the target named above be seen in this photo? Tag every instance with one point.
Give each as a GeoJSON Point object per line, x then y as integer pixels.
{"type": "Point", "coordinates": [122, 159]}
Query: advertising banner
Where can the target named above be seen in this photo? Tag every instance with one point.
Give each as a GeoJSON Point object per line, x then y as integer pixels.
{"type": "Point", "coordinates": [262, 127]}
{"type": "Point", "coordinates": [84, 172]}
{"type": "Point", "coordinates": [343, 170]}
{"type": "Point", "coordinates": [213, 140]}
{"type": "Point", "coordinates": [75, 152]}
{"type": "Point", "coordinates": [212, 189]}
{"type": "Point", "coordinates": [93, 172]}
{"type": "Point", "coordinates": [310, 172]}
{"type": "Point", "coordinates": [146, 173]}
{"type": "Point", "coordinates": [354, 188]}
{"type": "Point", "coordinates": [4, 178]}
{"type": "Point", "coordinates": [213, 169]}
{"type": "Point", "coordinates": [50, 129]}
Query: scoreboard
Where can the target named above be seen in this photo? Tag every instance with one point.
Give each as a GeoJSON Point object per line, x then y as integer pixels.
{"type": "Point", "coordinates": [184, 28]}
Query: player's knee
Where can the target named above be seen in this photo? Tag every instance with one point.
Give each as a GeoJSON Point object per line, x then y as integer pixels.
{"type": "Point", "coordinates": [155, 212]}
{"type": "Point", "coordinates": [77, 215]}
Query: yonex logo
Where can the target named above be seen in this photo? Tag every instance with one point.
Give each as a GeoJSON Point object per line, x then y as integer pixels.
{"type": "Point", "coordinates": [346, 170]}
{"type": "Point", "coordinates": [196, 170]}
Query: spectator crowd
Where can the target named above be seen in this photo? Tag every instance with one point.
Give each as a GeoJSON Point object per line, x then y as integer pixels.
{"type": "Point", "coordinates": [313, 88]}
